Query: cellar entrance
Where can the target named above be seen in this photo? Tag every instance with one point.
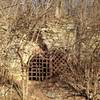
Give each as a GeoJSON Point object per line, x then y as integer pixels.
{"type": "Point", "coordinates": [39, 67]}
{"type": "Point", "coordinates": [44, 65]}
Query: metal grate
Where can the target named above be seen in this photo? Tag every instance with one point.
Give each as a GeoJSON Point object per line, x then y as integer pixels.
{"type": "Point", "coordinates": [39, 68]}
{"type": "Point", "coordinates": [42, 66]}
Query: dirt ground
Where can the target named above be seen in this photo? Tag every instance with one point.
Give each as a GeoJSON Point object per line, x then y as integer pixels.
{"type": "Point", "coordinates": [43, 91]}
{"type": "Point", "coordinates": [50, 91]}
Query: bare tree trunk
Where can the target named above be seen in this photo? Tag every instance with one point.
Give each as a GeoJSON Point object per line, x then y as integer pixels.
{"type": "Point", "coordinates": [25, 85]}
{"type": "Point", "coordinates": [24, 77]}
{"type": "Point", "coordinates": [58, 12]}
{"type": "Point", "coordinates": [78, 43]}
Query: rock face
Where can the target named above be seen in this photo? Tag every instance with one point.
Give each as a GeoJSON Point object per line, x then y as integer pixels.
{"type": "Point", "coordinates": [44, 65]}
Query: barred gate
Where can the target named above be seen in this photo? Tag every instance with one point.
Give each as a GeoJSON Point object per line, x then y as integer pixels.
{"type": "Point", "coordinates": [44, 65]}
{"type": "Point", "coordinates": [39, 67]}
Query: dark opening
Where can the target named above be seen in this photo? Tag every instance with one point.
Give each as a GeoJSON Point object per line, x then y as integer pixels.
{"type": "Point", "coordinates": [39, 68]}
